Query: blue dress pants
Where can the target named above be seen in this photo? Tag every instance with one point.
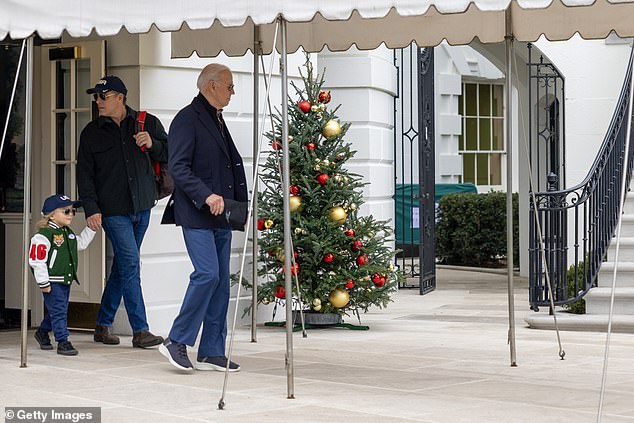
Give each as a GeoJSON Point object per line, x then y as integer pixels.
{"type": "Point", "coordinates": [207, 297]}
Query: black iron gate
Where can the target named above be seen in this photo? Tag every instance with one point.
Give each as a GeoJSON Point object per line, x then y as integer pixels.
{"type": "Point", "coordinates": [414, 157]}
{"type": "Point", "coordinates": [546, 91]}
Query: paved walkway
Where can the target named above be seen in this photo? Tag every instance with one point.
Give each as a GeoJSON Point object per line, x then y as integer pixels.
{"type": "Point", "coordinates": [442, 357]}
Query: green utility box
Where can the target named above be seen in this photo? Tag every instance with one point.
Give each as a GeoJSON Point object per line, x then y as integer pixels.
{"type": "Point", "coordinates": [407, 209]}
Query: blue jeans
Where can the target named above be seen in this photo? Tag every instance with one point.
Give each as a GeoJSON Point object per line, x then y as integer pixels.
{"type": "Point", "coordinates": [126, 234]}
{"type": "Point", "coordinates": [207, 297]}
{"type": "Point", "coordinates": [56, 317]}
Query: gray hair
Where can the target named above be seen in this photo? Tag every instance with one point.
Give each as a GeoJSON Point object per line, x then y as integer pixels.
{"type": "Point", "coordinates": [211, 72]}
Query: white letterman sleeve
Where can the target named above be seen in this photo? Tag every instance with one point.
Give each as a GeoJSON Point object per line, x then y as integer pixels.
{"type": "Point", "coordinates": [38, 257]}
{"type": "Point", "coordinates": [85, 238]}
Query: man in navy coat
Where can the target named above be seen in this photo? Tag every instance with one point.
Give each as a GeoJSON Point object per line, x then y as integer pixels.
{"type": "Point", "coordinates": [206, 168]}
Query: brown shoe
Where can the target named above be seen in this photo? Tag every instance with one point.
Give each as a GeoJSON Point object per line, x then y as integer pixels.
{"type": "Point", "coordinates": [104, 334]}
{"type": "Point", "coordinates": [146, 339]}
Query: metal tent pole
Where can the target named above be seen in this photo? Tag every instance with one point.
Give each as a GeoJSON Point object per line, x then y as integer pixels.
{"type": "Point", "coordinates": [509, 184]}
{"type": "Point", "coordinates": [254, 213]}
{"type": "Point", "coordinates": [28, 134]}
{"type": "Point", "coordinates": [287, 217]}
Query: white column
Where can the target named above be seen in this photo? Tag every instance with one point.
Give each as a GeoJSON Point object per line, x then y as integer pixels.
{"type": "Point", "coordinates": [364, 83]}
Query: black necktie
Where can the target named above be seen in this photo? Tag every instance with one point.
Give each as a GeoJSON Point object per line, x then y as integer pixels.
{"type": "Point", "coordinates": [221, 123]}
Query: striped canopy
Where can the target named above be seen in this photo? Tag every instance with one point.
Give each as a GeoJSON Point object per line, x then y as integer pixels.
{"type": "Point", "coordinates": [338, 24]}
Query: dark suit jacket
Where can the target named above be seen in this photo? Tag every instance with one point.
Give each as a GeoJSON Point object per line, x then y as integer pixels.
{"type": "Point", "coordinates": [201, 163]}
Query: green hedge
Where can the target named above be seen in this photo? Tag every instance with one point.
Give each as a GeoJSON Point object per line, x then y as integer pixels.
{"type": "Point", "coordinates": [471, 229]}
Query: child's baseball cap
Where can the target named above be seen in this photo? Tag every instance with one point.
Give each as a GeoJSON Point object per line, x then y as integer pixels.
{"type": "Point", "coordinates": [57, 201]}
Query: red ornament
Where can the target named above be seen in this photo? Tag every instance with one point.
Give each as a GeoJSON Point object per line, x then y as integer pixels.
{"type": "Point", "coordinates": [376, 278]}
{"type": "Point", "coordinates": [380, 282]}
{"type": "Point", "coordinates": [275, 145]}
{"type": "Point", "coordinates": [328, 258]}
{"type": "Point", "coordinates": [280, 292]}
{"type": "Point", "coordinates": [350, 284]}
{"type": "Point", "coordinates": [260, 224]}
{"type": "Point", "coordinates": [304, 106]}
{"type": "Point", "coordinates": [294, 190]}
{"type": "Point", "coordinates": [356, 245]}
{"type": "Point", "coordinates": [322, 179]}
{"type": "Point", "coordinates": [349, 232]}
{"type": "Point", "coordinates": [324, 97]}
{"type": "Point", "coordinates": [362, 260]}
{"type": "Point", "coordinates": [294, 269]}
{"type": "Point", "coordinates": [310, 146]}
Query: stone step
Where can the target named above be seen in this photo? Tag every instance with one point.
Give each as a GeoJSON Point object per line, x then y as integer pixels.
{"type": "Point", "coordinates": [627, 231]}
{"type": "Point", "coordinates": [624, 274]}
{"type": "Point", "coordinates": [626, 249]}
{"type": "Point", "coordinates": [629, 203]}
{"type": "Point", "coordinates": [581, 322]}
{"type": "Point", "coordinates": [598, 301]}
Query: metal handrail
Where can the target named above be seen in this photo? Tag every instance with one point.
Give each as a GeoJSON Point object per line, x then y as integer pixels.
{"type": "Point", "coordinates": [593, 205]}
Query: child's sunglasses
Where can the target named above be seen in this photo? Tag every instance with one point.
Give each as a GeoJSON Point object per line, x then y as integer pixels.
{"type": "Point", "coordinates": [70, 211]}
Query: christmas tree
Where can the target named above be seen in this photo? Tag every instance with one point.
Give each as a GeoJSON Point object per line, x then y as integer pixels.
{"type": "Point", "coordinates": [342, 261]}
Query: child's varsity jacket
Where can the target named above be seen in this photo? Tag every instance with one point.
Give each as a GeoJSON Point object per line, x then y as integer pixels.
{"type": "Point", "coordinates": [53, 253]}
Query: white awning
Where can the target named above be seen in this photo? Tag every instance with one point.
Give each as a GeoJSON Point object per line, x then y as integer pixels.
{"type": "Point", "coordinates": [313, 24]}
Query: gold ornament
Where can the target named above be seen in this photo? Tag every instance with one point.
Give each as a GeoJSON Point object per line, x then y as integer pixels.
{"type": "Point", "coordinates": [265, 300]}
{"type": "Point", "coordinates": [317, 168]}
{"type": "Point", "coordinates": [314, 108]}
{"type": "Point", "coordinates": [326, 162]}
{"type": "Point", "coordinates": [322, 107]}
{"type": "Point", "coordinates": [295, 203]}
{"type": "Point", "coordinates": [290, 138]}
{"type": "Point", "coordinates": [331, 129]}
{"type": "Point", "coordinates": [338, 178]}
{"type": "Point", "coordinates": [353, 206]}
{"type": "Point", "coordinates": [339, 298]}
{"type": "Point", "coordinates": [316, 304]}
{"type": "Point", "coordinates": [337, 215]}
{"type": "Point", "coordinates": [279, 254]}
{"type": "Point", "coordinates": [298, 231]}
{"type": "Point", "coordinates": [304, 231]}
{"type": "Point", "coordinates": [317, 308]}
{"type": "Point", "coordinates": [268, 224]}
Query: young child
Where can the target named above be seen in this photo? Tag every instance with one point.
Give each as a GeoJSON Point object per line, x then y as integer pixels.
{"type": "Point", "coordinates": [53, 257]}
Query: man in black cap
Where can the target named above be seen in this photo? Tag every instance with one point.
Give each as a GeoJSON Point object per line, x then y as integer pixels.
{"type": "Point", "coordinates": [117, 188]}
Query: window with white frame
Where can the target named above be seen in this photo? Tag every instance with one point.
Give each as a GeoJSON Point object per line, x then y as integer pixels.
{"type": "Point", "coordinates": [481, 144]}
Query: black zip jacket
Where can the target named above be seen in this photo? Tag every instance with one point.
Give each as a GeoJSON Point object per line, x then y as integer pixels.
{"type": "Point", "coordinates": [114, 176]}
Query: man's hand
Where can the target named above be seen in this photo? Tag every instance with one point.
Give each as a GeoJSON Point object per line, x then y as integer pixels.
{"type": "Point", "coordinates": [216, 204]}
{"type": "Point", "coordinates": [46, 290]}
{"type": "Point", "coordinates": [143, 139]}
{"type": "Point", "coordinates": [94, 222]}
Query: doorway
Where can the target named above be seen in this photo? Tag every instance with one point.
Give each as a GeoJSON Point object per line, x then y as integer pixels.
{"type": "Point", "coordinates": [67, 70]}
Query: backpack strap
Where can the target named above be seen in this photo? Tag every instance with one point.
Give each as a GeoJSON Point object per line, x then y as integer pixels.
{"type": "Point", "coordinates": [140, 121]}
{"type": "Point", "coordinates": [140, 127]}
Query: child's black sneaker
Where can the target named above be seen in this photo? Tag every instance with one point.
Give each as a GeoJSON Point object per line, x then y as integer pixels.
{"type": "Point", "coordinates": [43, 339]}
{"type": "Point", "coordinates": [66, 348]}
